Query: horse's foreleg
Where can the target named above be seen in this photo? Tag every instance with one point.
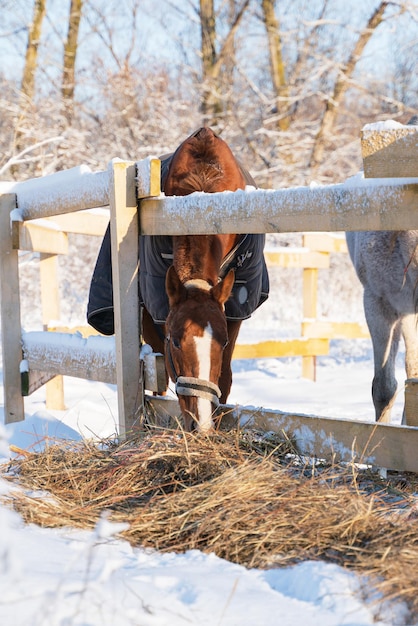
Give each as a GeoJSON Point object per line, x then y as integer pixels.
{"type": "Point", "coordinates": [153, 335]}
{"type": "Point", "coordinates": [384, 329]}
{"type": "Point", "coordinates": [225, 379]}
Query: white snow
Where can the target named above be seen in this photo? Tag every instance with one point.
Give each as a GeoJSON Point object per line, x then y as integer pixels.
{"type": "Point", "coordinates": [386, 125]}
{"type": "Point", "coordinates": [295, 209]}
{"type": "Point", "coordinates": [79, 578]}
{"type": "Point", "coordinates": [65, 577]}
{"type": "Point", "coordinates": [68, 342]}
{"type": "Point", "coordinates": [56, 348]}
{"type": "Point", "coordinates": [358, 181]}
{"type": "Point", "coordinates": [47, 195]}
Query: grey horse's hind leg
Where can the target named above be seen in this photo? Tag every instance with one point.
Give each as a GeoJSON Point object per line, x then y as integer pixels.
{"type": "Point", "coordinates": [385, 331]}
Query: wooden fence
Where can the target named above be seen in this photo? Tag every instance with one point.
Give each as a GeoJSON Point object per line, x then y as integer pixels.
{"type": "Point", "coordinates": [315, 333]}
{"type": "Point", "coordinates": [356, 205]}
{"type": "Point", "coordinates": [52, 234]}
{"type": "Point", "coordinates": [312, 257]}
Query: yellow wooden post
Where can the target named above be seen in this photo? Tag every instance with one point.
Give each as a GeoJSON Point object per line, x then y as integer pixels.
{"type": "Point", "coordinates": [310, 282]}
{"type": "Point", "coordinates": [411, 402]}
{"type": "Point", "coordinates": [48, 266]}
{"type": "Point", "coordinates": [310, 288]}
{"type": "Point", "coordinates": [282, 348]}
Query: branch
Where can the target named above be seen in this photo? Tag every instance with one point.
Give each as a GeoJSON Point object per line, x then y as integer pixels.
{"type": "Point", "coordinates": [342, 83]}
{"type": "Point", "coordinates": [216, 67]}
{"type": "Point", "coordinates": [17, 158]}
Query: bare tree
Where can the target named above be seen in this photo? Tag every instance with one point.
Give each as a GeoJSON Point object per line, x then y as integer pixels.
{"type": "Point", "coordinates": [277, 65]}
{"type": "Point", "coordinates": [342, 83]}
{"type": "Point", "coordinates": [27, 88]}
{"type": "Point", "coordinates": [213, 60]}
{"type": "Point", "coordinates": [31, 58]}
{"type": "Point", "coordinates": [136, 100]}
{"type": "Point", "coordinates": [70, 54]}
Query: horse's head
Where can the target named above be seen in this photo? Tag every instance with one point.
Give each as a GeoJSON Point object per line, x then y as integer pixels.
{"type": "Point", "coordinates": [196, 335]}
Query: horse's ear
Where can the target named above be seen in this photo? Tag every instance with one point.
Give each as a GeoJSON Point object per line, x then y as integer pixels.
{"type": "Point", "coordinates": [222, 290]}
{"type": "Point", "coordinates": [174, 287]}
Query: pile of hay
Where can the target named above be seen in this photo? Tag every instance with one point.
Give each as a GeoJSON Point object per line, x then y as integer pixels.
{"type": "Point", "coordinates": [231, 494]}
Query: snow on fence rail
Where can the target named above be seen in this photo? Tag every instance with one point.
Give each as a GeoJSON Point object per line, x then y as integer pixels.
{"type": "Point", "coordinates": [358, 204]}
{"type": "Point", "coordinates": [355, 205]}
{"type": "Point", "coordinates": [63, 192]}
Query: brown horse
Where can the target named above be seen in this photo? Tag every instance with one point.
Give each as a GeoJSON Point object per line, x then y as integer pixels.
{"type": "Point", "coordinates": [195, 290]}
{"type": "Point", "coordinates": [199, 339]}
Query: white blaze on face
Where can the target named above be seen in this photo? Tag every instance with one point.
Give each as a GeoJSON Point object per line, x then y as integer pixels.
{"type": "Point", "coordinates": [203, 347]}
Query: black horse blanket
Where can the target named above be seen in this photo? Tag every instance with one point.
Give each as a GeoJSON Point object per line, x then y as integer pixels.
{"type": "Point", "coordinates": [250, 290]}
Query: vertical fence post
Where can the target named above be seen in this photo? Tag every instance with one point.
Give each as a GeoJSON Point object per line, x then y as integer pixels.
{"type": "Point", "coordinates": [310, 293]}
{"type": "Point", "coordinates": [411, 402]}
{"type": "Point", "coordinates": [11, 331]}
{"type": "Point", "coordinates": [48, 267]}
{"type": "Point", "coordinates": [124, 244]}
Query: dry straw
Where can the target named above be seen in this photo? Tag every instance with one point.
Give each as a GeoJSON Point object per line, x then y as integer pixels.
{"type": "Point", "coordinates": [247, 498]}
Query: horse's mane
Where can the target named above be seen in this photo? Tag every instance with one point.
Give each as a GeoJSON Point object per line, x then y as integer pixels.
{"type": "Point", "coordinates": [202, 178]}
{"type": "Point", "coordinates": [207, 167]}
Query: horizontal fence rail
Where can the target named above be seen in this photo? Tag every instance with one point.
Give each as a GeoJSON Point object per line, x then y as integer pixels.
{"type": "Point", "coordinates": [359, 205]}
{"type": "Point", "coordinates": [63, 192]}
{"type": "Point", "coordinates": [331, 438]}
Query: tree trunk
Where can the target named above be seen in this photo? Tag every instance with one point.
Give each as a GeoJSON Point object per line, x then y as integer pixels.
{"type": "Point", "coordinates": [228, 68]}
{"type": "Point", "coordinates": [212, 61]}
{"type": "Point", "coordinates": [211, 104]}
{"type": "Point", "coordinates": [27, 88]}
{"type": "Point", "coordinates": [31, 58]}
{"type": "Point", "coordinates": [70, 53]}
{"type": "Point", "coordinates": [342, 84]}
{"type": "Point", "coordinates": [277, 66]}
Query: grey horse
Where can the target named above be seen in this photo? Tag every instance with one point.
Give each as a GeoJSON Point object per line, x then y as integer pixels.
{"type": "Point", "coordinates": [387, 266]}
{"type": "Point", "coordinates": [386, 263]}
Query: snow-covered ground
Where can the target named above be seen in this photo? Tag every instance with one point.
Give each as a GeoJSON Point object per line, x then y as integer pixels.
{"type": "Point", "coordinates": [67, 577]}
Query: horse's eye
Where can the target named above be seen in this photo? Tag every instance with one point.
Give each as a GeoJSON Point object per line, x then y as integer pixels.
{"type": "Point", "coordinates": [176, 343]}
